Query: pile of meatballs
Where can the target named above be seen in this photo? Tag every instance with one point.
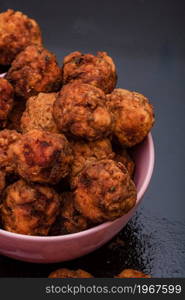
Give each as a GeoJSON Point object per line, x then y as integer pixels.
{"type": "Point", "coordinates": [65, 135]}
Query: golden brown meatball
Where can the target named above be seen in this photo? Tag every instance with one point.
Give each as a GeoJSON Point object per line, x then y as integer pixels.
{"type": "Point", "coordinates": [99, 71]}
{"type": "Point", "coordinates": [123, 156]}
{"type": "Point", "coordinates": [6, 100]}
{"type": "Point", "coordinates": [130, 273]}
{"type": "Point", "coordinates": [29, 208]}
{"type": "Point", "coordinates": [69, 219]}
{"type": "Point", "coordinates": [72, 221]}
{"type": "Point", "coordinates": [7, 138]}
{"type": "Point", "coordinates": [41, 156]}
{"type": "Point", "coordinates": [133, 115]}
{"type": "Point", "coordinates": [34, 70]}
{"type": "Point", "coordinates": [80, 111]}
{"type": "Point", "coordinates": [16, 32]}
{"type": "Point", "coordinates": [2, 180]}
{"type": "Point", "coordinates": [38, 113]}
{"type": "Point", "coordinates": [104, 191]}
{"type": "Point", "coordinates": [14, 117]}
{"type": "Point", "coordinates": [87, 152]}
{"type": "Point", "coordinates": [66, 273]}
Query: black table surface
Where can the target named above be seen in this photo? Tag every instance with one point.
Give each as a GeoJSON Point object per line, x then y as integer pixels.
{"type": "Point", "coordinates": [146, 39]}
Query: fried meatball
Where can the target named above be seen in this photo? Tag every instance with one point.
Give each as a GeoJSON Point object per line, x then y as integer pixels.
{"type": "Point", "coordinates": [69, 219]}
{"type": "Point", "coordinates": [72, 221]}
{"type": "Point", "coordinates": [104, 191]}
{"type": "Point", "coordinates": [29, 208]}
{"type": "Point", "coordinates": [7, 139]}
{"type": "Point", "coordinates": [80, 111]}
{"type": "Point", "coordinates": [39, 113]}
{"type": "Point", "coordinates": [99, 70]}
{"type": "Point", "coordinates": [34, 70]}
{"type": "Point", "coordinates": [133, 115]}
{"type": "Point", "coordinates": [87, 152]}
{"type": "Point", "coordinates": [66, 273]}
{"type": "Point", "coordinates": [2, 180]}
{"type": "Point", "coordinates": [6, 100]}
{"type": "Point", "coordinates": [123, 156]}
{"type": "Point", "coordinates": [16, 32]}
{"type": "Point", "coordinates": [41, 156]}
{"type": "Point", "coordinates": [130, 273]}
{"type": "Point", "coordinates": [14, 117]}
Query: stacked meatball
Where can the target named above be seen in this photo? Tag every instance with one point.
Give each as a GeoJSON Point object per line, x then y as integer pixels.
{"type": "Point", "coordinates": [66, 134]}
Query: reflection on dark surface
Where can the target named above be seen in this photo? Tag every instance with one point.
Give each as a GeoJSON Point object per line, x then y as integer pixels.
{"type": "Point", "coordinates": [148, 243]}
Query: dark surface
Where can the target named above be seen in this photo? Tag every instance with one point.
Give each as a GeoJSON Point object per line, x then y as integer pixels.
{"type": "Point", "coordinates": [147, 41]}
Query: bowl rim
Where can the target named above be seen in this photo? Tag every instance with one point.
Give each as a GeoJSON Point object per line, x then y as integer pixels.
{"type": "Point", "coordinates": [102, 226]}
{"type": "Point", "coordinates": [2, 75]}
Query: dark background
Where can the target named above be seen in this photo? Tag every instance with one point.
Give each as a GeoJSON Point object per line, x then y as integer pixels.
{"type": "Point", "coordinates": [146, 39]}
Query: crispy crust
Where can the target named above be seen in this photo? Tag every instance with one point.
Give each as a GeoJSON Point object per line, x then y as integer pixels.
{"type": "Point", "coordinates": [130, 273]}
{"type": "Point", "coordinates": [29, 209]}
{"type": "Point", "coordinates": [34, 70]}
{"type": "Point", "coordinates": [99, 71]}
{"type": "Point", "coordinates": [2, 181]}
{"type": "Point", "coordinates": [87, 152]}
{"type": "Point", "coordinates": [123, 156]}
{"type": "Point", "coordinates": [16, 32]}
{"type": "Point", "coordinates": [69, 219]}
{"type": "Point", "coordinates": [133, 116]}
{"type": "Point", "coordinates": [66, 273]}
{"type": "Point", "coordinates": [80, 112]}
{"type": "Point", "coordinates": [104, 191]}
{"type": "Point", "coordinates": [39, 113]}
{"type": "Point", "coordinates": [14, 117]}
{"type": "Point", "coordinates": [6, 100]}
{"type": "Point", "coordinates": [7, 138]}
{"type": "Point", "coordinates": [42, 156]}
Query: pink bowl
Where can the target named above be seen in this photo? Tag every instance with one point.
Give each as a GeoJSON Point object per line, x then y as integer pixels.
{"type": "Point", "coordinates": [2, 75]}
{"type": "Point", "coordinates": [62, 248]}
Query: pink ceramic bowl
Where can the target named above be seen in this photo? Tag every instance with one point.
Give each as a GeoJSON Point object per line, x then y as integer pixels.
{"type": "Point", "coordinates": [62, 248]}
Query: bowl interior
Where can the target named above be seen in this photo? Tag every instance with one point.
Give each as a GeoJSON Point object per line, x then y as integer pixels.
{"type": "Point", "coordinates": [143, 155]}
{"type": "Point", "coordinates": [2, 75]}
